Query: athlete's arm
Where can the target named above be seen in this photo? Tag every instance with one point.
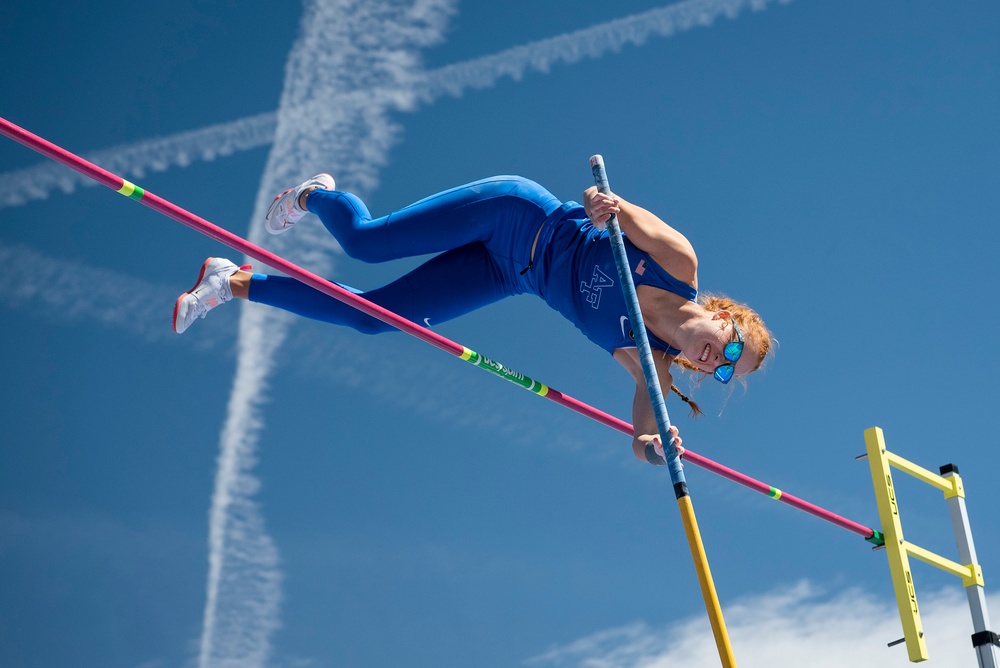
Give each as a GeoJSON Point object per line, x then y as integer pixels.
{"type": "Point", "coordinates": [669, 248]}
{"type": "Point", "coordinates": [645, 430]}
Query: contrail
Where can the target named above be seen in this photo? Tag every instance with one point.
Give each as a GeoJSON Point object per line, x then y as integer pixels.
{"type": "Point", "coordinates": [21, 186]}
{"type": "Point", "coordinates": [70, 292]}
{"type": "Point", "coordinates": [590, 43]}
{"type": "Point", "coordinates": [338, 93]}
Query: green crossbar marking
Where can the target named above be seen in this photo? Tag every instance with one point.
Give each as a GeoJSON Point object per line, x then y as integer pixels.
{"type": "Point", "coordinates": [131, 190]}
{"type": "Point", "coordinates": [498, 369]}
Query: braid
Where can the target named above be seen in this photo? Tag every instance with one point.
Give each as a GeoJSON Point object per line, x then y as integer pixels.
{"type": "Point", "coordinates": [695, 410]}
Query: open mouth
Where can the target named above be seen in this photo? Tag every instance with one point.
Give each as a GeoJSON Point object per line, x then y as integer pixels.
{"type": "Point", "coordinates": [706, 353]}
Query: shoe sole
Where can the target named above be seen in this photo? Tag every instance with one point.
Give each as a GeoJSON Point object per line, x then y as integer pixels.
{"type": "Point", "coordinates": [177, 304]}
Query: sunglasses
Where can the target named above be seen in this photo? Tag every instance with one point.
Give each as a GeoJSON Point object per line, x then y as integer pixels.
{"type": "Point", "coordinates": [732, 352]}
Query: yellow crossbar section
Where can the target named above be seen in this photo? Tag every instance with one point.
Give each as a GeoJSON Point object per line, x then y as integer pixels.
{"type": "Point", "coordinates": [895, 548]}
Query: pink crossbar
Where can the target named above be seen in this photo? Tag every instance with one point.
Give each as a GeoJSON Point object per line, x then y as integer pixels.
{"type": "Point", "coordinates": [240, 244]}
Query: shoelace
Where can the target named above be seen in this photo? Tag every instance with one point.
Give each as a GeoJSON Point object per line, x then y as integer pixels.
{"type": "Point", "coordinates": [200, 307]}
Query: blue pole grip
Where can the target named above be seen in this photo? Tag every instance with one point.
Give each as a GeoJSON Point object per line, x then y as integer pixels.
{"type": "Point", "coordinates": [639, 330]}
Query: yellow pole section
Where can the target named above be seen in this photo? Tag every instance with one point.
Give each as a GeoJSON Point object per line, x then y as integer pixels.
{"type": "Point", "coordinates": [899, 563]}
{"type": "Point", "coordinates": [707, 583]}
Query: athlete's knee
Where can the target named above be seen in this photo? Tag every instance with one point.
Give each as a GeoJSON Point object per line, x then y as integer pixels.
{"type": "Point", "coordinates": [510, 184]}
{"type": "Point", "coordinates": [362, 243]}
{"type": "Point", "coordinates": [525, 182]}
{"type": "Point", "coordinates": [348, 220]}
{"type": "Point", "coordinates": [527, 190]}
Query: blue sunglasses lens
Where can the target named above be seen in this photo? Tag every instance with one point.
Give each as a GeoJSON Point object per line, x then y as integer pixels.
{"type": "Point", "coordinates": [733, 351]}
{"type": "Point", "coordinates": [724, 373]}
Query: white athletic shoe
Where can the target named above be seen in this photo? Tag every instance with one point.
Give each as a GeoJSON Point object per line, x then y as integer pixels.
{"type": "Point", "coordinates": [211, 290]}
{"type": "Point", "coordinates": [285, 210]}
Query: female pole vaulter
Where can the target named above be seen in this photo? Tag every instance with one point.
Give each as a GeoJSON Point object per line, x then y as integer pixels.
{"type": "Point", "coordinates": [503, 236]}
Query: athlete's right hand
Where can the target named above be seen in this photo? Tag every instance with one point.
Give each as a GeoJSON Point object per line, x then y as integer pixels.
{"type": "Point", "coordinates": [599, 206]}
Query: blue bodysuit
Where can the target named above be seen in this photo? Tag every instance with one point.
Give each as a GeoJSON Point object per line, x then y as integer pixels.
{"type": "Point", "coordinates": [483, 233]}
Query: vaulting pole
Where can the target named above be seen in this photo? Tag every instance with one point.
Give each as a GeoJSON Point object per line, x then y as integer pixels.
{"type": "Point", "coordinates": [132, 191]}
{"type": "Point", "coordinates": [684, 503]}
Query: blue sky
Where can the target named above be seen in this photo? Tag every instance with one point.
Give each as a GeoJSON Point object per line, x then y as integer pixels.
{"type": "Point", "coordinates": [274, 492]}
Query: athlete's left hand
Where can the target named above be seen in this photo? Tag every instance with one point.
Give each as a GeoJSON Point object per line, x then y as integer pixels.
{"type": "Point", "coordinates": [599, 206]}
{"type": "Point", "coordinates": [658, 445]}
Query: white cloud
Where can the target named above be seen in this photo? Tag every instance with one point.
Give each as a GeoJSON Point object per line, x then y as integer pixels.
{"type": "Point", "coordinates": [798, 626]}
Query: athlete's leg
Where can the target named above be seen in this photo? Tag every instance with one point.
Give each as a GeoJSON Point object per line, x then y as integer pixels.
{"type": "Point", "coordinates": [501, 212]}
{"type": "Point", "coordinates": [445, 287]}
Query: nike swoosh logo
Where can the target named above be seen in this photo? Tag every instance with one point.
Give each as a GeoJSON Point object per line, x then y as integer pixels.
{"type": "Point", "coordinates": [427, 321]}
{"type": "Point", "coordinates": [624, 323]}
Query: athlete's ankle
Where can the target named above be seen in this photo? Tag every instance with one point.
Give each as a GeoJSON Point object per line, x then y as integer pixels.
{"type": "Point", "coordinates": [304, 196]}
{"type": "Point", "coordinates": [239, 284]}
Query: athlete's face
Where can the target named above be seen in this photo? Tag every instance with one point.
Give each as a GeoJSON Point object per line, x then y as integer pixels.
{"type": "Point", "coordinates": [708, 351]}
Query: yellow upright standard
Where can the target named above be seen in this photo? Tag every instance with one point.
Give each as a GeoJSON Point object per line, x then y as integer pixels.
{"type": "Point", "coordinates": [892, 528]}
{"type": "Point", "coordinates": [899, 550]}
